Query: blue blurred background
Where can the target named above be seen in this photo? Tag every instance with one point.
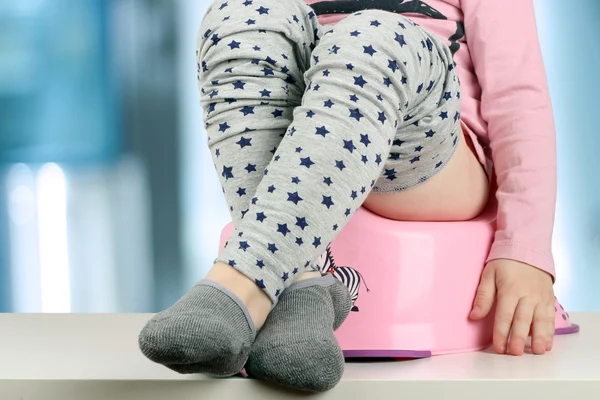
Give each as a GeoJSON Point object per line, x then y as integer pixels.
{"type": "Point", "coordinates": [108, 199]}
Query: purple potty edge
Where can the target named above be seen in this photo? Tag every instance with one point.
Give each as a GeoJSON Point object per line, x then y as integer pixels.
{"type": "Point", "coordinates": [387, 353]}
{"type": "Point", "coordinates": [574, 328]}
{"type": "Point", "coordinates": [415, 354]}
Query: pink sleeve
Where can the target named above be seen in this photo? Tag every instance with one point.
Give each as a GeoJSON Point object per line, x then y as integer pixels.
{"type": "Point", "coordinates": [515, 103]}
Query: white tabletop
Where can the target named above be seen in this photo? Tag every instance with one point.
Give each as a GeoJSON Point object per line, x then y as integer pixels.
{"type": "Point", "coordinates": [95, 356]}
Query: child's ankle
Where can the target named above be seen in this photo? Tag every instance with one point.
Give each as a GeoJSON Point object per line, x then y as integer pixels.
{"type": "Point", "coordinates": [308, 275]}
{"type": "Point", "coordinates": [255, 299]}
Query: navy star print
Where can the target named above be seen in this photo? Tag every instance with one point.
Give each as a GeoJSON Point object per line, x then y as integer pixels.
{"type": "Point", "coordinates": [260, 216]}
{"type": "Point", "coordinates": [302, 129]}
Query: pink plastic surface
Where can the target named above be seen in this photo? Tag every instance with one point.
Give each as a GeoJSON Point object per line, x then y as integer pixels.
{"type": "Point", "coordinates": [562, 323]}
{"type": "Point", "coordinates": [421, 279]}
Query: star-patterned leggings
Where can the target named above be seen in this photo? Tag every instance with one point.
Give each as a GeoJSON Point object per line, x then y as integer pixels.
{"type": "Point", "coordinates": [304, 120]}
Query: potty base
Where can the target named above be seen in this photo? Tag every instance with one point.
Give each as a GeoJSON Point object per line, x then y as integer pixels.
{"type": "Point", "coordinates": [417, 354]}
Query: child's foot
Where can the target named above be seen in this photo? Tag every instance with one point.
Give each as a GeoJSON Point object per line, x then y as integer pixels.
{"type": "Point", "coordinates": [210, 329]}
{"type": "Point", "coordinates": [296, 347]}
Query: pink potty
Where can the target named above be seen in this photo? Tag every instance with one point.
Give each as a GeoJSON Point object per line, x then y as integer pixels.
{"type": "Point", "coordinates": [413, 285]}
{"type": "Point", "coordinates": [562, 323]}
{"type": "Point", "coordinates": [421, 278]}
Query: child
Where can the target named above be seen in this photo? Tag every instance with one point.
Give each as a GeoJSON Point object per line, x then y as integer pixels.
{"type": "Point", "coordinates": [310, 118]}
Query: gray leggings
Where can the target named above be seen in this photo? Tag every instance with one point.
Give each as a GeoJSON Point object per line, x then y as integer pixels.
{"type": "Point", "coordinates": [305, 120]}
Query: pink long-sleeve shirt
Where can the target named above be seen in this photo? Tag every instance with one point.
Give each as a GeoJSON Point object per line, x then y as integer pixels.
{"type": "Point", "coordinates": [507, 112]}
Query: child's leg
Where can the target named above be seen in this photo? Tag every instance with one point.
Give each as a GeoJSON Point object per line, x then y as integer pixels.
{"type": "Point", "coordinates": [270, 84]}
{"type": "Point", "coordinates": [251, 59]}
{"type": "Point", "coordinates": [463, 184]}
{"type": "Point", "coordinates": [251, 65]}
{"type": "Point", "coordinates": [294, 352]}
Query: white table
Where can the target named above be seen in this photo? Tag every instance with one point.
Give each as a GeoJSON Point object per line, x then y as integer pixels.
{"type": "Point", "coordinates": [93, 357]}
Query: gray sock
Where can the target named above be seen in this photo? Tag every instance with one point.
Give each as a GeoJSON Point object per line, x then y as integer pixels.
{"type": "Point", "coordinates": [296, 347]}
{"type": "Point", "coordinates": [207, 331]}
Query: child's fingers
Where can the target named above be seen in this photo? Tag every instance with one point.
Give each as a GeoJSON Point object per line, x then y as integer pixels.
{"type": "Point", "coordinates": [542, 333]}
{"type": "Point", "coordinates": [505, 311]}
{"type": "Point", "coordinates": [484, 299]}
{"type": "Point", "coordinates": [521, 326]}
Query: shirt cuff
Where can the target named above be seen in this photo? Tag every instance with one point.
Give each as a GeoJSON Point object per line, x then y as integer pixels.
{"type": "Point", "coordinates": [524, 254]}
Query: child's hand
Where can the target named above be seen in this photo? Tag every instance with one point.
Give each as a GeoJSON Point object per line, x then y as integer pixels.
{"type": "Point", "coordinates": [525, 304]}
